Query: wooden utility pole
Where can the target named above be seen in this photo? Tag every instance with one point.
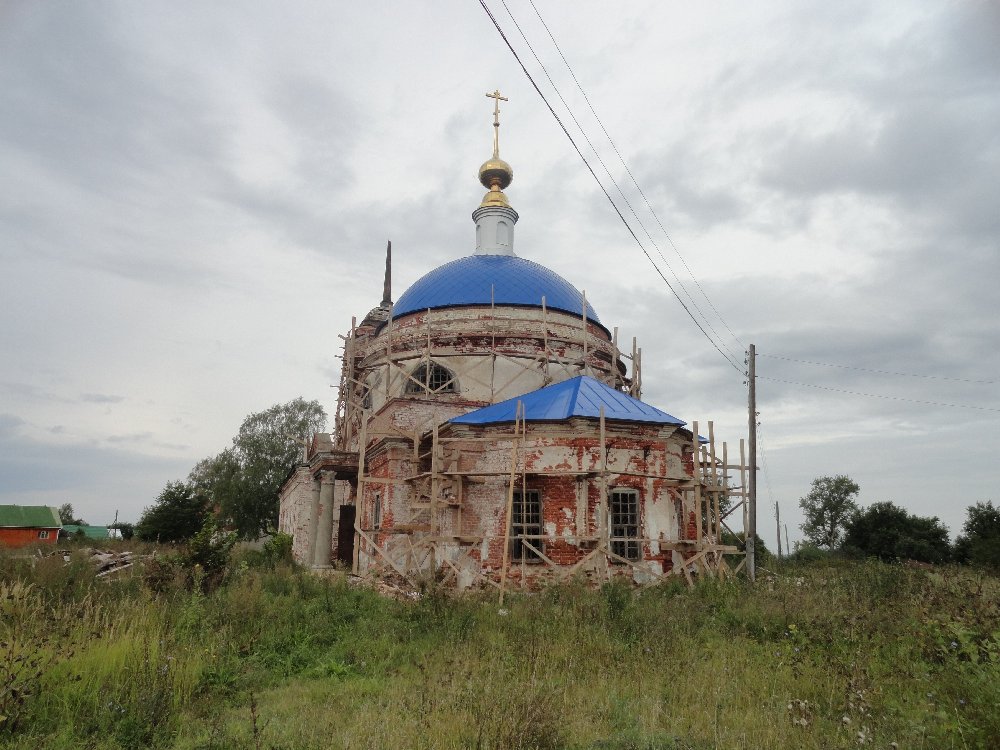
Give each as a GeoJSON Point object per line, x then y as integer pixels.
{"type": "Point", "coordinates": [788, 547]}
{"type": "Point", "coordinates": [751, 532]}
{"type": "Point", "coordinates": [777, 523]}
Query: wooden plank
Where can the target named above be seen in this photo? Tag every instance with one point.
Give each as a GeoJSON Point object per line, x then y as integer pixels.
{"type": "Point", "coordinates": [510, 507]}
{"type": "Point", "coordinates": [382, 552]}
{"type": "Point", "coordinates": [435, 490]}
{"type": "Point", "coordinates": [696, 448]}
{"type": "Point", "coordinates": [604, 521]}
{"type": "Point", "coordinates": [572, 570]}
{"type": "Point", "coordinates": [743, 483]}
{"type": "Point", "coordinates": [716, 532]}
{"type": "Point", "coordinates": [538, 552]}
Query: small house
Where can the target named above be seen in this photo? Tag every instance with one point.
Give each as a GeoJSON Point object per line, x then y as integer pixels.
{"type": "Point", "coordinates": [21, 525]}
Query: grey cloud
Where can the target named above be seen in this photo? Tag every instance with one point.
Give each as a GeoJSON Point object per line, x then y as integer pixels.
{"type": "Point", "coordinates": [32, 392]}
{"type": "Point", "coordinates": [9, 422]}
{"type": "Point", "coordinates": [100, 478]}
{"type": "Point", "coordinates": [133, 437]}
{"type": "Point", "coordinates": [101, 398]}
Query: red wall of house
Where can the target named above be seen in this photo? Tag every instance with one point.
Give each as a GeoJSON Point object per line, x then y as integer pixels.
{"type": "Point", "coordinates": [23, 537]}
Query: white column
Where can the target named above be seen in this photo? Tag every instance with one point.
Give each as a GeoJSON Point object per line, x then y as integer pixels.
{"type": "Point", "coordinates": [313, 521]}
{"type": "Point", "coordinates": [324, 529]}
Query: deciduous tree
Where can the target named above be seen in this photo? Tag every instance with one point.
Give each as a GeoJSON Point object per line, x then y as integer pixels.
{"type": "Point", "coordinates": [67, 516]}
{"type": "Point", "coordinates": [241, 484]}
{"type": "Point", "coordinates": [244, 480]}
{"type": "Point", "coordinates": [979, 543]}
{"type": "Point", "coordinates": [886, 531]}
{"type": "Point", "coordinates": [178, 514]}
{"type": "Point", "coordinates": [828, 507]}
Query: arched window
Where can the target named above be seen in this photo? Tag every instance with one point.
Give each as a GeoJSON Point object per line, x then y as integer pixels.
{"type": "Point", "coordinates": [503, 233]}
{"type": "Point", "coordinates": [436, 379]}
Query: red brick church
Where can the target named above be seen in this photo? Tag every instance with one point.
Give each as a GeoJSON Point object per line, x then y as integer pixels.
{"type": "Point", "coordinates": [490, 428]}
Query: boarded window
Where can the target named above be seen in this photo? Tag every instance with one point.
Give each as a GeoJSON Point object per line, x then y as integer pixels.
{"type": "Point", "coordinates": [625, 523]}
{"type": "Point", "coordinates": [436, 378]}
{"type": "Point", "coordinates": [526, 525]}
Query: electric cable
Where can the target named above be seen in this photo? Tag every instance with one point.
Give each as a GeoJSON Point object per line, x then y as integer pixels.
{"type": "Point", "coordinates": [763, 461]}
{"type": "Point", "coordinates": [878, 395]}
{"type": "Point", "coordinates": [607, 171]}
{"type": "Point", "coordinates": [880, 372]}
{"type": "Point", "coordinates": [631, 176]}
{"type": "Point", "coordinates": [607, 195]}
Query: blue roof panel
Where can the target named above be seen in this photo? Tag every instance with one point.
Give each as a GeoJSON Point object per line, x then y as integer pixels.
{"type": "Point", "coordinates": [581, 396]}
{"type": "Point", "coordinates": [502, 279]}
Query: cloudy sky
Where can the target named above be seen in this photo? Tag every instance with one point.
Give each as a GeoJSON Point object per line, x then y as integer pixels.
{"type": "Point", "coordinates": [196, 200]}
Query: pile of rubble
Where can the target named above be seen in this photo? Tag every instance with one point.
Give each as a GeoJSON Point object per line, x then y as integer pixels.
{"type": "Point", "coordinates": [105, 561]}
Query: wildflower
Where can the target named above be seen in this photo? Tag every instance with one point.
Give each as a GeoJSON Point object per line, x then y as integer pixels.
{"type": "Point", "coordinates": [954, 644]}
{"type": "Point", "coordinates": [863, 736]}
{"type": "Point", "coordinates": [503, 612]}
{"type": "Point", "coordinates": [846, 720]}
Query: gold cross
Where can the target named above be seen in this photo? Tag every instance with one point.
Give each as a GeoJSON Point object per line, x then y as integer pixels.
{"type": "Point", "coordinates": [497, 98]}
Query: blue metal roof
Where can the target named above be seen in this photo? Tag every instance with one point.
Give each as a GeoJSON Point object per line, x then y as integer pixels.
{"type": "Point", "coordinates": [505, 279]}
{"type": "Point", "coordinates": [581, 396]}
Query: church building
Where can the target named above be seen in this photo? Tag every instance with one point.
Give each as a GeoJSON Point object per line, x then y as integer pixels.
{"type": "Point", "coordinates": [490, 431]}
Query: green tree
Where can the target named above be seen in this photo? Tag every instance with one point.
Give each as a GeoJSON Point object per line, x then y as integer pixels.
{"type": "Point", "coordinates": [178, 514]}
{"type": "Point", "coordinates": [67, 516]}
{"type": "Point", "coordinates": [979, 543]}
{"type": "Point", "coordinates": [127, 530]}
{"type": "Point", "coordinates": [828, 507]}
{"type": "Point", "coordinates": [886, 531]}
{"type": "Point", "coordinates": [243, 481]}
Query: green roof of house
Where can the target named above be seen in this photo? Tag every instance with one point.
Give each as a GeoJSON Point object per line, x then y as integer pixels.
{"type": "Point", "coordinates": [29, 516]}
{"type": "Point", "coordinates": [91, 532]}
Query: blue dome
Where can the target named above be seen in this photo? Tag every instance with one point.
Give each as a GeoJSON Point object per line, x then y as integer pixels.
{"type": "Point", "coordinates": [511, 280]}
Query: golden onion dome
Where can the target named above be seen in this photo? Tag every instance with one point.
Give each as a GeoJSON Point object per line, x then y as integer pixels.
{"type": "Point", "coordinates": [495, 174]}
{"type": "Point", "coordinates": [498, 171]}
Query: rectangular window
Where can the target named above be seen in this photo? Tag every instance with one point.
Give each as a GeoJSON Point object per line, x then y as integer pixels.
{"type": "Point", "coordinates": [377, 511]}
{"type": "Point", "coordinates": [526, 521]}
{"type": "Point", "coordinates": [625, 523]}
{"type": "Point", "coordinates": [43, 535]}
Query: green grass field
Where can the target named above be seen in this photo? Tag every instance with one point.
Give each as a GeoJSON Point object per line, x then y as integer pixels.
{"type": "Point", "coordinates": [819, 656]}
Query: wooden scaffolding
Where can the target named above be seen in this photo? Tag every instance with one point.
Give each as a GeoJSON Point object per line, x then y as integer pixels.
{"type": "Point", "coordinates": [715, 493]}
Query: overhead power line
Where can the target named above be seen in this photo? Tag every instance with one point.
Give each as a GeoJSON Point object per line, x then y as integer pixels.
{"type": "Point", "coordinates": [597, 154]}
{"type": "Point", "coordinates": [631, 176]}
{"type": "Point", "coordinates": [879, 395]}
{"type": "Point", "coordinates": [880, 372]}
{"type": "Point", "coordinates": [763, 460]}
{"type": "Point", "coordinates": [607, 195]}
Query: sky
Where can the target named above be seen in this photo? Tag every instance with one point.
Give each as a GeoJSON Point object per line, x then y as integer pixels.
{"type": "Point", "coordinates": [197, 198]}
